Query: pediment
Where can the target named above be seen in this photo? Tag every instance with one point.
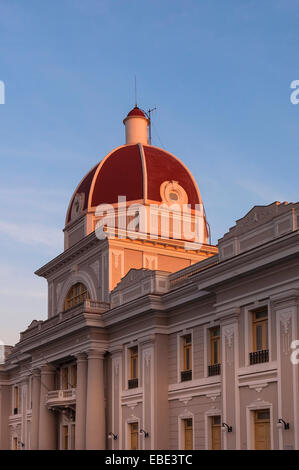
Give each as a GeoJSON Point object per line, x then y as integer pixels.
{"type": "Point", "coordinates": [133, 277]}
{"type": "Point", "coordinates": [258, 215]}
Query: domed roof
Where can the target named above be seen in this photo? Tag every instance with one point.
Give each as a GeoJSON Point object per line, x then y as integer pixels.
{"type": "Point", "coordinates": [136, 112]}
{"type": "Point", "coordinates": [137, 172]}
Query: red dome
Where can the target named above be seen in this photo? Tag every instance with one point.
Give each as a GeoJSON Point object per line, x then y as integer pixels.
{"type": "Point", "coordinates": [137, 172]}
{"type": "Point", "coordinates": [136, 112]}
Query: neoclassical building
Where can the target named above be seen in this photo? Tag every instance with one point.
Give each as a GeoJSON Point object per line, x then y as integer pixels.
{"type": "Point", "coordinates": [150, 342]}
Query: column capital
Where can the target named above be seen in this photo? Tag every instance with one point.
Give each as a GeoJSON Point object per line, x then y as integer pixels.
{"type": "Point", "coordinates": [116, 350]}
{"type": "Point", "coordinates": [229, 315]}
{"type": "Point", "coordinates": [47, 369]}
{"type": "Point", "coordinates": [36, 372]}
{"type": "Point", "coordinates": [286, 298]}
{"type": "Point", "coordinates": [95, 354]}
{"type": "Point", "coordinates": [81, 357]}
{"type": "Point", "coordinates": [147, 340]}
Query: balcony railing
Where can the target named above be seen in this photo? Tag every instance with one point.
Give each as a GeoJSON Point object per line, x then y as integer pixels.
{"type": "Point", "coordinates": [132, 383]}
{"type": "Point", "coordinates": [214, 369]}
{"type": "Point", "coordinates": [186, 375]}
{"type": "Point", "coordinates": [258, 357]}
{"type": "Point", "coordinates": [61, 397]}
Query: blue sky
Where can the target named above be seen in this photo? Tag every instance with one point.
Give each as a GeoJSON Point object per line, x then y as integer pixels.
{"type": "Point", "coordinates": [219, 73]}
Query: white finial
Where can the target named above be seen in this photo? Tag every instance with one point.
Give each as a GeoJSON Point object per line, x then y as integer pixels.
{"type": "Point", "coordinates": [136, 124]}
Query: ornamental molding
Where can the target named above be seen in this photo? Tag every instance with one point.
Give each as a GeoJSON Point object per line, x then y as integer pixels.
{"type": "Point", "coordinates": [58, 289]}
{"type": "Point", "coordinates": [132, 278]}
{"type": "Point", "coordinates": [147, 357]}
{"type": "Point", "coordinates": [186, 414]}
{"type": "Point", "coordinates": [96, 268]}
{"type": "Point", "coordinates": [132, 405]}
{"type": "Point", "coordinates": [285, 323]}
{"type": "Point", "coordinates": [172, 192]}
{"type": "Point", "coordinates": [285, 319]}
{"type": "Point", "coordinates": [213, 396]}
{"type": "Point", "coordinates": [77, 206]}
{"type": "Point", "coordinates": [229, 334]}
{"type": "Point", "coordinates": [185, 399]}
{"type": "Point", "coordinates": [116, 366]}
{"type": "Point", "coordinates": [258, 387]}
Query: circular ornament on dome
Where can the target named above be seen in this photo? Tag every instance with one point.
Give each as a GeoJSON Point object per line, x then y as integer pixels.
{"type": "Point", "coordinates": [172, 193]}
{"type": "Point", "coordinates": [78, 205]}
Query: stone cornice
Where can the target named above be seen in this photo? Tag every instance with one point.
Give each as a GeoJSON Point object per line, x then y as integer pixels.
{"type": "Point", "coordinates": [134, 307]}
{"type": "Point", "coordinates": [257, 258]}
{"type": "Point", "coordinates": [287, 298]}
{"type": "Point", "coordinates": [71, 253]}
{"type": "Point", "coordinates": [54, 333]}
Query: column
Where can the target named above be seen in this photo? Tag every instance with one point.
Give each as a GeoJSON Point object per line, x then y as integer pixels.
{"type": "Point", "coordinates": [147, 443]}
{"type": "Point", "coordinates": [285, 305]}
{"type": "Point", "coordinates": [114, 415]}
{"type": "Point", "coordinates": [230, 390]}
{"type": "Point", "coordinates": [95, 415]}
{"type": "Point", "coordinates": [47, 418]}
{"type": "Point", "coordinates": [35, 397]}
{"type": "Point", "coordinates": [81, 398]}
{"type": "Point", "coordinates": [5, 407]}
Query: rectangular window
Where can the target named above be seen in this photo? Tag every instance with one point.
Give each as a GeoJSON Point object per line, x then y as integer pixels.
{"type": "Point", "coordinates": [133, 378]}
{"type": "Point", "coordinates": [188, 434]}
{"type": "Point", "coordinates": [64, 378]}
{"type": "Point", "coordinates": [134, 436]}
{"type": "Point", "coordinates": [134, 362]}
{"type": "Point", "coordinates": [186, 373]}
{"type": "Point", "coordinates": [215, 352]}
{"type": "Point", "coordinates": [29, 401]}
{"type": "Point", "coordinates": [216, 432]}
{"type": "Point", "coordinates": [74, 376]}
{"type": "Point", "coordinates": [16, 401]}
{"type": "Point", "coordinates": [260, 337]}
{"type": "Point", "coordinates": [260, 330]}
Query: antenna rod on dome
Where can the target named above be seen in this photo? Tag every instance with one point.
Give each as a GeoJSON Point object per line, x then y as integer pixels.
{"type": "Point", "coordinates": [135, 93]}
{"type": "Point", "coordinates": [150, 124]}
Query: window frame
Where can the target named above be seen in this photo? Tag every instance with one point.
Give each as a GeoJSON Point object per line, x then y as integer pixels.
{"type": "Point", "coordinates": [15, 400]}
{"type": "Point", "coordinates": [128, 347]}
{"type": "Point", "coordinates": [248, 339]}
{"type": "Point", "coordinates": [187, 351]}
{"type": "Point", "coordinates": [134, 355]}
{"type": "Point", "coordinates": [66, 374]}
{"type": "Point", "coordinates": [264, 322]}
{"type": "Point", "coordinates": [180, 354]}
{"type": "Point", "coordinates": [217, 340]}
{"type": "Point", "coordinates": [72, 298]}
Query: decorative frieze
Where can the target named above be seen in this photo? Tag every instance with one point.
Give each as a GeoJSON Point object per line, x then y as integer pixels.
{"type": "Point", "coordinates": [285, 327]}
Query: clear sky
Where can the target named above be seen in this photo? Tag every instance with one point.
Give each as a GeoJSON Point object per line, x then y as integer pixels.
{"type": "Point", "coordinates": [219, 73]}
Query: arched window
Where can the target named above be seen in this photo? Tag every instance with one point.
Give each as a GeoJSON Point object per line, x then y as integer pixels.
{"type": "Point", "coordinates": [77, 294]}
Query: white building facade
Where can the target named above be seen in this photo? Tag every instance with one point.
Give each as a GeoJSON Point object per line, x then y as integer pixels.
{"type": "Point", "coordinates": [149, 344]}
